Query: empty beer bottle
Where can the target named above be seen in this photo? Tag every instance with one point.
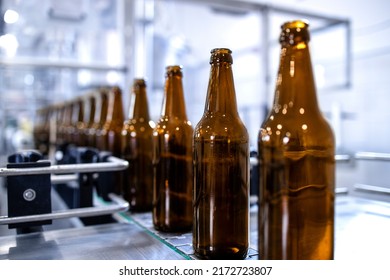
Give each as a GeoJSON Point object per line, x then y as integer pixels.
{"type": "Point", "coordinates": [296, 157]}
{"type": "Point", "coordinates": [89, 116]}
{"type": "Point", "coordinates": [67, 125]}
{"type": "Point", "coordinates": [221, 169]}
{"type": "Point", "coordinates": [109, 137]}
{"type": "Point", "coordinates": [59, 121]}
{"type": "Point", "coordinates": [41, 130]}
{"type": "Point", "coordinates": [77, 121]}
{"type": "Point", "coordinates": [137, 150]}
{"type": "Point", "coordinates": [101, 105]}
{"type": "Point", "coordinates": [172, 159]}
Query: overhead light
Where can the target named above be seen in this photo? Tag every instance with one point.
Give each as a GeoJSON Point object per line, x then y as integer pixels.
{"type": "Point", "coordinates": [9, 44]}
{"type": "Point", "coordinates": [11, 16]}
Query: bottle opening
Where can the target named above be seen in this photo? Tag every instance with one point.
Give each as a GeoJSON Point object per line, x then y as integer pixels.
{"type": "Point", "coordinates": [294, 32]}
{"type": "Point", "coordinates": [139, 82]}
{"type": "Point", "coordinates": [221, 55]}
{"type": "Point", "coordinates": [174, 70]}
{"type": "Point", "coordinates": [295, 24]}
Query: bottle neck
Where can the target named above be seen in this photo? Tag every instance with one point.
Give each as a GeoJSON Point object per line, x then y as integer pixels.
{"type": "Point", "coordinates": [173, 102]}
{"type": "Point", "coordinates": [101, 108]}
{"type": "Point", "coordinates": [78, 112]}
{"type": "Point", "coordinates": [89, 110]}
{"type": "Point", "coordinates": [115, 107]}
{"type": "Point", "coordinates": [139, 104]}
{"type": "Point", "coordinates": [295, 86]}
{"type": "Point", "coordinates": [221, 96]}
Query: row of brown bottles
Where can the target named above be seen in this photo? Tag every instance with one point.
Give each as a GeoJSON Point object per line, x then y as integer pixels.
{"type": "Point", "coordinates": [74, 121]}
{"type": "Point", "coordinates": [199, 178]}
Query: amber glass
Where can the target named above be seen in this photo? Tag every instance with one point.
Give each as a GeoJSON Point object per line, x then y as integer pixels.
{"type": "Point", "coordinates": [137, 150]}
{"type": "Point", "coordinates": [100, 116]}
{"type": "Point", "coordinates": [172, 159]}
{"type": "Point", "coordinates": [89, 115]}
{"type": "Point", "coordinates": [59, 120]}
{"type": "Point", "coordinates": [77, 121]}
{"type": "Point", "coordinates": [109, 137]}
{"type": "Point", "coordinates": [221, 169]}
{"type": "Point", "coordinates": [67, 126]}
{"type": "Point", "coordinates": [296, 156]}
{"type": "Point", "coordinates": [41, 130]}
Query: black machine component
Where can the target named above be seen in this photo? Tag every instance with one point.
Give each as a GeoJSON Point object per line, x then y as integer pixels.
{"type": "Point", "coordinates": [28, 194]}
{"type": "Point", "coordinates": [80, 194]}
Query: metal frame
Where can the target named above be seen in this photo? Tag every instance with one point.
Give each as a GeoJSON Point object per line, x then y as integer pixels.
{"type": "Point", "coordinates": [118, 204]}
{"type": "Point", "coordinates": [113, 164]}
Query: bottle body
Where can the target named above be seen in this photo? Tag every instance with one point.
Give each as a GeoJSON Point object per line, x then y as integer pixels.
{"type": "Point", "coordinates": [221, 172]}
{"type": "Point", "coordinates": [172, 160]}
{"type": "Point", "coordinates": [296, 159]}
{"type": "Point", "coordinates": [137, 149]}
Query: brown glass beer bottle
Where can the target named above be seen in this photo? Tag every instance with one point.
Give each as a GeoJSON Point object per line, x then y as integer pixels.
{"type": "Point", "coordinates": [89, 116]}
{"type": "Point", "coordinates": [41, 131]}
{"type": "Point", "coordinates": [296, 158]}
{"type": "Point", "coordinates": [137, 149]}
{"type": "Point", "coordinates": [67, 126]}
{"type": "Point", "coordinates": [77, 121]}
{"type": "Point", "coordinates": [221, 169]}
{"type": "Point", "coordinates": [59, 121]}
{"type": "Point", "coordinates": [109, 137]}
{"type": "Point", "coordinates": [101, 106]}
{"type": "Point", "coordinates": [172, 159]}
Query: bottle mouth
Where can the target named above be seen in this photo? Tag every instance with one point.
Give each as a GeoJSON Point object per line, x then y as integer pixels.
{"type": "Point", "coordinates": [301, 23]}
{"type": "Point", "coordinates": [219, 55]}
{"type": "Point", "coordinates": [139, 82]}
{"type": "Point", "coordinates": [174, 70]}
{"type": "Point", "coordinates": [294, 32]}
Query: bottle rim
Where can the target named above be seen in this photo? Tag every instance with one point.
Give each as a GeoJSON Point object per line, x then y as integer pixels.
{"type": "Point", "coordinates": [219, 55]}
{"type": "Point", "coordinates": [221, 50]}
{"type": "Point", "coordinates": [139, 82]}
{"type": "Point", "coordinates": [299, 23]}
{"type": "Point", "coordinates": [294, 32]}
{"type": "Point", "coordinates": [174, 70]}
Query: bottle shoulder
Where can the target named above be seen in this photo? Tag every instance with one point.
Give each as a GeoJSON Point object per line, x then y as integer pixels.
{"type": "Point", "coordinates": [296, 130]}
{"type": "Point", "coordinates": [169, 123]}
{"type": "Point", "coordinates": [225, 126]}
{"type": "Point", "coordinates": [137, 127]}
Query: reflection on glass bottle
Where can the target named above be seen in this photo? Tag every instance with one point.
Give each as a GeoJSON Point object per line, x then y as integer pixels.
{"type": "Point", "coordinates": [221, 169]}
{"type": "Point", "coordinates": [137, 150]}
{"type": "Point", "coordinates": [172, 159]}
{"type": "Point", "coordinates": [296, 156]}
